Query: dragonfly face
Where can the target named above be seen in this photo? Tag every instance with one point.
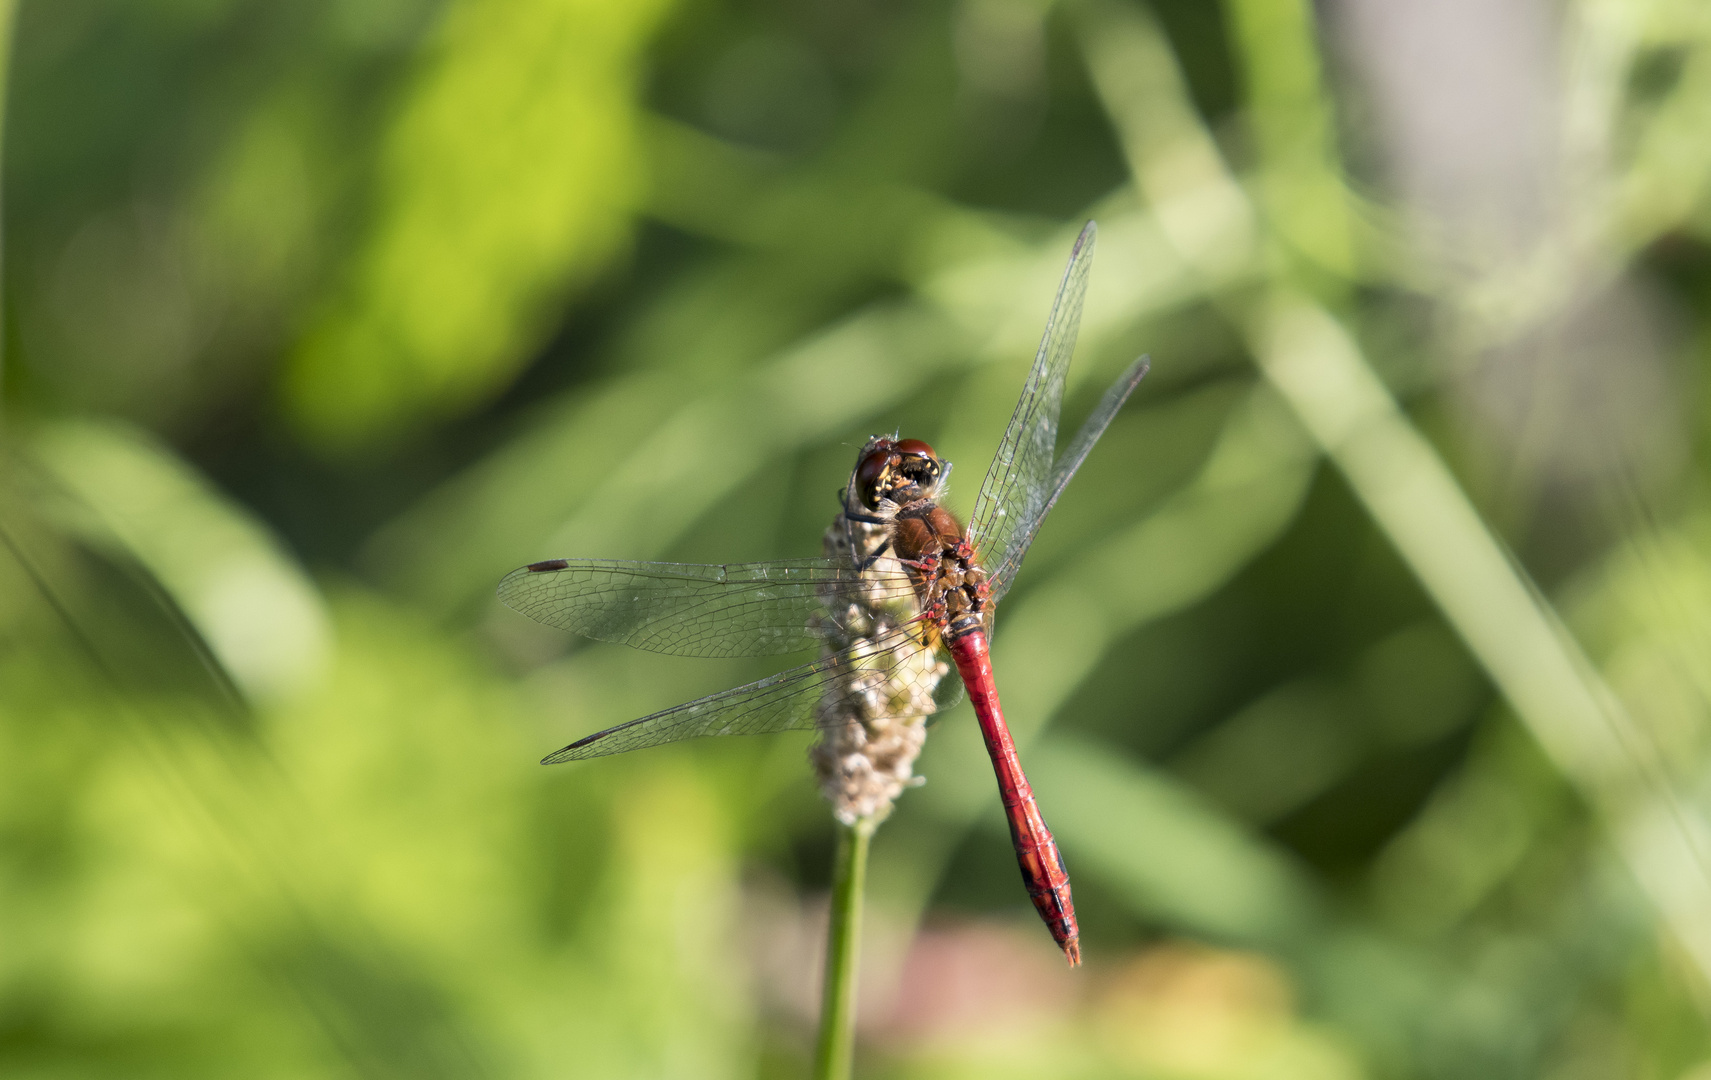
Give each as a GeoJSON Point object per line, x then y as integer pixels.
{"type": "Point", "coordinates": [902, 472]}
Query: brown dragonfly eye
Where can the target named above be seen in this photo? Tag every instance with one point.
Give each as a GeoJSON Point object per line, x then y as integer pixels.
{"type": "Point", "coordinates": [915, 446]}
{"type": "Point", "coordinates": [871, 471]}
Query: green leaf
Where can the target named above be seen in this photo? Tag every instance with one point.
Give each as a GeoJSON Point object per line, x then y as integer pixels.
{"type": "Point", "coordinates": [508, 176]}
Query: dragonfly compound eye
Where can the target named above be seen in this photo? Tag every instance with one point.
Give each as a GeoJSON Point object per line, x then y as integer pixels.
{"type": "Point", "coordinates": [872, 473]}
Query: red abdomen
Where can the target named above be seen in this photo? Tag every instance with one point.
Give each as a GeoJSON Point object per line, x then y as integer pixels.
{"type": "Point", "coordinates": [1036, 852]}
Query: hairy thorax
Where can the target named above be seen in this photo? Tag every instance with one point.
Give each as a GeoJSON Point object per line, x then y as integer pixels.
{"type": "Point", "coordinates": [951, 586]}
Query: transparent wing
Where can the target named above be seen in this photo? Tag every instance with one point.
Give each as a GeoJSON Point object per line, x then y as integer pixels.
{"type": "Point", "coordinates": [1015, 493]}
{"type": "Point", "coordinates": [691, 609]}
{"type": "Point", "coordinates": [875, 675]}
{"type": "Point", "coordinates": [1002, 575]}
{"type": "Point", "coordinates": [948, 695]}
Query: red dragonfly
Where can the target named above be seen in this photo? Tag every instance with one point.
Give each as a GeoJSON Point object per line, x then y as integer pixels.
{"type": "Point", "coordinates": [950, 579]}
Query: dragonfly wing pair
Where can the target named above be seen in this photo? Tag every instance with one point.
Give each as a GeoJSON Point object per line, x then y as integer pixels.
{"type": "Point", "coordinates": [792, 700]}
{"type": "Point", "coordinates": [725, 610]}
{"type": "Point", "coordinates": [1025, 478]}
{"type": "Point", "coordinates": [692, 609]}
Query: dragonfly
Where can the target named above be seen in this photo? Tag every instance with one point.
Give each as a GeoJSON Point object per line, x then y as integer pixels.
{"type": "Point", "coordinates": [947, 579]}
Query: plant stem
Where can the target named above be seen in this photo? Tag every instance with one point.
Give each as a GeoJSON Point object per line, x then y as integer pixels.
{"type": "Point", "coordinates": [843, 941]}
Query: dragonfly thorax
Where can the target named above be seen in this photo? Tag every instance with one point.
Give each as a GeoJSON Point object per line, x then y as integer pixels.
{"type": "Point", "coordinates": [922, 530]}
{"type": "Point", "coordinates": [950, 583]}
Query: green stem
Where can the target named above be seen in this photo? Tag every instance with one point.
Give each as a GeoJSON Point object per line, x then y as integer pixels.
{"type": "Point", "coordinates": [843, 941]}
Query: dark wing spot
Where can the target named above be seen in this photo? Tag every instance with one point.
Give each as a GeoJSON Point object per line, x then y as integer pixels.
{"type": "Point", "coordinates": [550, 564]}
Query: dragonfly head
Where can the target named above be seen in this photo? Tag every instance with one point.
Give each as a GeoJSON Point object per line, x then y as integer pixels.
{"type": "Point", "coordinates": [901, 470]}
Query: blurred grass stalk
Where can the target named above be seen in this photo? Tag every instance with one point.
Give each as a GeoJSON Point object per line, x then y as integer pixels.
{"type": "Point", "coordinates": [8, 19]}
{"type": "Point", "coordinates": [1304, 228]}
{"type": "Point", "coordinates": [1509, 626]}
{"type": "Point", "coordinates": [836, 1047]}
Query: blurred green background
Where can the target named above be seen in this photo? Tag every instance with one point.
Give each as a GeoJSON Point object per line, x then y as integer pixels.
{"type": "Point", "coordinates": [1364, 672]}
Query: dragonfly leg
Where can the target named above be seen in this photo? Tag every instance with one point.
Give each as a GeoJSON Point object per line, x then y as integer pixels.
{"type": "Point", "coordinates": [927, 565]}
{"type": "Point", "coordinates": [867, 563]}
